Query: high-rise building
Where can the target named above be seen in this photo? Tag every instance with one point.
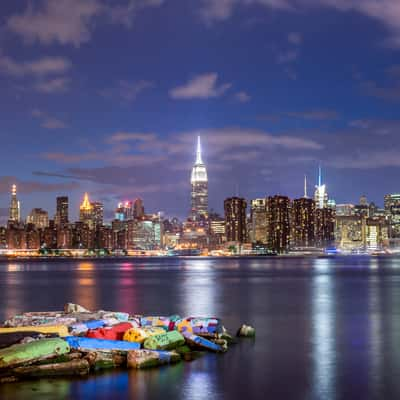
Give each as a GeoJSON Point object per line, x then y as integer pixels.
{"type": "Point", "coordinates": [217, 230]}
{"type": "Point", "coordinates": [39, 218]}
{"type": "Point", "coordinates": [15, 212]}
{"type": "Point", "coordinates": [61, 217]}
{"type": "Point", "coordinates": [325, 227]}
{"type": "Point", "coordinates": [97, 214]}
{"type": "Point", "coordinates": [392, 211]}
{"type": "Point", "coordinates": [86, 212]}
{"type": "Point", "coordinates": [321, 195]}
{"type": "Point", "coordinates": [235, 219]}
{"type": "Point", "coordinates": [278, 221]}
{"type": "Point", "coordinates": [138, 209]}
{"type": "Point", "coordinates": [199, 182]}
{"type": "Point", "coordinates": [125, 211]}
{"type": "Point", "coordinates": [303, 222]}
{"type": "Point", "coordinates": [259, 220]}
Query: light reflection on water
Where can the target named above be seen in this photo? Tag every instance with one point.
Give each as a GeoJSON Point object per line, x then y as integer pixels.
{"type": "Point", "coordinates": [327, 328]}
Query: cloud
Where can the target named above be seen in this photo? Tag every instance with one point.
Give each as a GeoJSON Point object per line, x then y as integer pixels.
{"type": "Point", "coordinates": [71, 21]}
{"type": "Point", "coordinates": [385, 11]}
{"type": "Point", "coordinates": [131, 136]}
{"type": "Point", "coordinates": [314, 115]}
{"type": "Point", "coordinates": [55, 85]}
{"type": "Point", "coordinates": [39, 68]}
{"type": "Point", "coordinates": [200, 87]}
{"type": "Point", "coordinates": [47, 121]}
{"type": "Point", "coordinates": [128, 91]}
{"type": "Point", "coordinates": [27, 187]}
{"type": "Point", "coordinates": [242, 97]}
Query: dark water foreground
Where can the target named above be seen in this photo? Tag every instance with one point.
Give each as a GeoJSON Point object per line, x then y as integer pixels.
{"type": "Point", "coordinates": [326, 328]}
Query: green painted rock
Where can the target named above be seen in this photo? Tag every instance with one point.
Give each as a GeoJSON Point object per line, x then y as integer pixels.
{"type": "Point", "coordinates": [165, 341]}
{"type": "Point", "coordinates": [20, 354]}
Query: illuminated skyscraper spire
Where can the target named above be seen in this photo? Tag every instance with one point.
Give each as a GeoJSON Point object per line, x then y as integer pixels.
{"type": "Point", "coordinates": [305, 187]}
{"type": "Point", "coordinates": [321, 195]}
{"type": "Point", "coordinates": [319, 176]}
{"type": "Point", "coordinates": [86, 206]}
{"type": "Point", "coordinates": [198, 152]}
{"type": "Point", "coordinates": [199, 182]}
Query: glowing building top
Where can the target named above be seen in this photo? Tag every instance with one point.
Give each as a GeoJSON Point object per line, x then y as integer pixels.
{"type": "Point", "coordinates": [86, 205]}
{"type": "Point", "coordinates": [199, 182]}
{"type": "Point", "coordinates": [321, 195]}
{"type": "Point", "coordinates": [199, 172]}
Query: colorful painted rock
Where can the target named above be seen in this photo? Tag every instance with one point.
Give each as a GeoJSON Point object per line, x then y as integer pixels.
{"type": "Point", "coordinates": [115, 332]}
{"type": "Point", "coordinates": [27, 353]}
{"type": "Point", "coordinates": [60, 330]}
{"type": "Point", "coordinates": [141, 359]}
{"type": "Point", "coordinates": [139, 335]}
{"type": "Point", "coordinates": [168, 323]}
{"type": "Point", "coordinates": [198, 341]}
{"type": "Point", "coordinates": [199, 326]}
{"type": "Point", "coordinates": [88, 344]}
{"type": "Point", "coordinates": [166, 341]}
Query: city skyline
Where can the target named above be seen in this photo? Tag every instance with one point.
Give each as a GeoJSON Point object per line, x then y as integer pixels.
{"type": "Point", "coordinates": [97, 103]}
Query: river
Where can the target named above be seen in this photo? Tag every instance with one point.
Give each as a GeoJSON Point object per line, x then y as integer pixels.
{"type": "Point", "coordinates": [327, 328]}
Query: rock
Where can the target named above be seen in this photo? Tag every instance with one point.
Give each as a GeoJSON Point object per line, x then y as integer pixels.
{"type": "Point", "coordinates": [74, 308]}
{"type": "Point", "coordinates": [246, 331]}
{"type": "Point", "coordinates": [140, 359]}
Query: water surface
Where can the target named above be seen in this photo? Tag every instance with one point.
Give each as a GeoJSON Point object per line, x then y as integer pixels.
{"type": "Point", "coordinates": [327, 328]}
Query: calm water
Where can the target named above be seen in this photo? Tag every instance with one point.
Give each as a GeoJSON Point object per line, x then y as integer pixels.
{"type": "Point", "coordinates": [326, 328]}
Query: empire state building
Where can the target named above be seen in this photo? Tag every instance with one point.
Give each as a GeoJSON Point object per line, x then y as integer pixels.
{"type": "Point", "coordinates": [199, 184]}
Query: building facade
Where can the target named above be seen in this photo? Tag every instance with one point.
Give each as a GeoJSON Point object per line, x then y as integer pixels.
{"type": "Point", "coordinates": [235, 219]}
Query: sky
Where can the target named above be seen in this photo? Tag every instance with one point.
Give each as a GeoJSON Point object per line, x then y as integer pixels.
{"type": "Point", "coordinates": [108, 97]}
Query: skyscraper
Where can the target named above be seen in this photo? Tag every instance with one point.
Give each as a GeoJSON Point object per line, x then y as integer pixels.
{"type": "Point", "coordinates": [97, 214]}
{"type": "Point", "coordinates": [321, 195]}
{"type": "Point", "coordinates": [259, 221]}
{"type": "Point", "coordinates": [392, 212]}
{"type": "Point", "coordinates": [15, 213]}
{"type": "Point", "coordinates": [235, 219]}
{"type": "Point", "coordinates": [303, 220]}
{"type": "Point", "coordinates": [278, 214]}
{"type": "Point", "coordinates": [86, 211]}
{"type": "Point", "coordinates": [138, 209]}
{"type": "Point", "coordinates": [39, 218]}
{"type": "Point", "coordinates": [125, 211]}
{"type": "Point", "coordinates": [199, 182]}
{"type": "Point", "coordinates": [61, 217]}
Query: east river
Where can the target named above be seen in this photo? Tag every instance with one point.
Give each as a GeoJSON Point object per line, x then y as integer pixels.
{"type": "Point", "coordinates": [327, 328]}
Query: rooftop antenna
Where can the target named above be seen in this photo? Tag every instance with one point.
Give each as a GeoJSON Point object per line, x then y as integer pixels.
{"type": "Point", "coordinates": [305, 187]}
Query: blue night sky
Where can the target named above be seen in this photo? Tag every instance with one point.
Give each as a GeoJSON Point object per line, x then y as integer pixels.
{"type": "Point", "coordinates": [109, 96]}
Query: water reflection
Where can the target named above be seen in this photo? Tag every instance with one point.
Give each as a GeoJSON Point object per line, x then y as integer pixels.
{"type": "Point", "coordinates": [323, 331]}
{"type": "Point", "coordinates": [200, 290]}
{"type": "Point", "coordinates": [85, 291]}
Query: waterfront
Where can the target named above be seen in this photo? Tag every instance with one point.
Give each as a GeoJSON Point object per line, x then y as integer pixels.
{"type": "Point", "coordinates": [327, 328]}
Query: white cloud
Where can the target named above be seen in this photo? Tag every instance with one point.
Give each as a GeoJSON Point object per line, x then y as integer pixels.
{"type": "Point", "coordinates": [71, 21]}
{"type": "Point", "coordinates": [127, 90]}
{"type": "Point", "coordinates": [385, 11]}
{"type": "Point", "coordinates": [47, 121]}
{"type": "Point", "coordinates": [40, 67]}
{"type": "Point", "coordinates": [242, 97]}
{"type": "Point", "coordinates": [200, 87]}
{"type": "Point", "coordinates": [55, 85]}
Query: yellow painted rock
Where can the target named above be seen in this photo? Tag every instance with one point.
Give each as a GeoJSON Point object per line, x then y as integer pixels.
{"type": "Point", "coordinates": [61, 330]}
{"type": "Point", "coordinates": [139, 335]}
